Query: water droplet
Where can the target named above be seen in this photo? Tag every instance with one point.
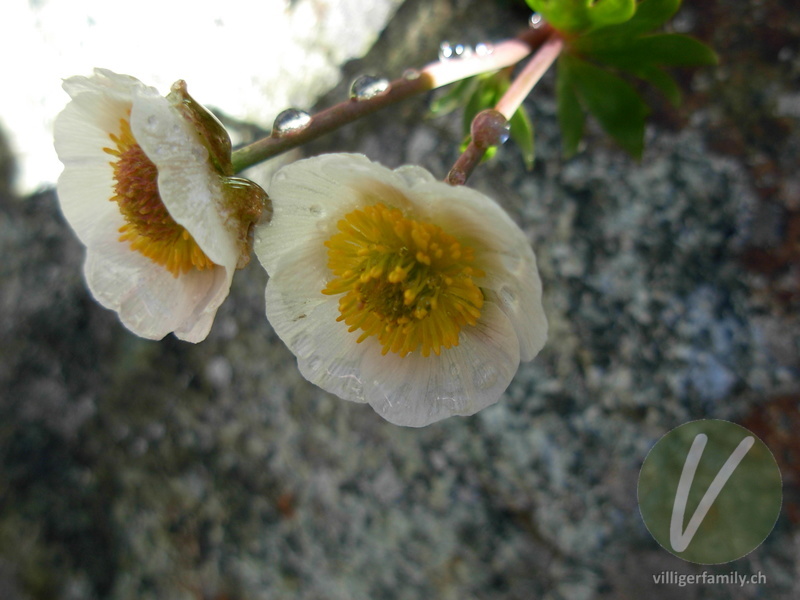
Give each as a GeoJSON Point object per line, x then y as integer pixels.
{"type": "Point", "coordinates": [484, 376]}
{"type": "Point", "coordinates": [314, 363]}
{"type": "Point", "coordinates": [445, 51]}
{"type": "Point", "coordinates": [455, 371]}
{"type": "Point", "coordinates": [280, 176]}
{"type": "Point", "coordinates": [514, 264]}
{"type": "Point", "coordinates": [290, 121]}
{"type": "Point", "coordinates": [448, 51]}
{"type": "Point", "coordinates": [490, 128]}
{"type": "Point", "coordinates": [411, 74]}
{"type": "Point", "coordinates": [463, 51]}
{"type": "Point", "coordinates": [483, 49]}
{"type": "Point", "coordinates": [368, 86]}
{"type": "Point", "coordinates": [536, 21]}
{"type": "Point", "coordinates": [152, 123]}
{"type": "Point", "coordinates": [507, 296]}
{"type": "Point", "coordinates": [315, 209]}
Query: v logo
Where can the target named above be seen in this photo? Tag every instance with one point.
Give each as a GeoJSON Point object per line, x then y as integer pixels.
{"type": "Point", "coordinates": [680, 540]}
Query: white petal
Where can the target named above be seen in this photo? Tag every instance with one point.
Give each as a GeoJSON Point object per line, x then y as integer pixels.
{"type": "Point", "coordinates": [82, 129]}
{"type": "Point", "coordinates": [189, 188]}
{"type": "Point", "coordinates": [416, 391]}
{"type": "Point", "coordinates": [327, 353]}
{"type": "Point", "coordinates": [85, 195]}
{"type": "Point", "coordinates": [301, 275]}
{"type": "Point", "coordinates": [311, 195]}
{"type": "Point", "coordinates": [80, 135]}
{"type": "Point", "coordinates": [149, 300]}
{"type": "Point", "coordinates": [515, 285]}
{"type": "Point", "coordinates": [413, 175]}
{"type": "Point", "coordinates": [503, 250]}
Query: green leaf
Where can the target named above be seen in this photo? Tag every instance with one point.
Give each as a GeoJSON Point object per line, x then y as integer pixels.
{"type": "Point", "coordinates": [674, 50]}
{"type": "Point", "coordinates": [611, 12]}
{"type": "Point", "coordinates": [570, 113]}
{"type": "Point", "coordinates": [522, 134]}
{"type": "Point", "coordinates": [454, 98]}
{"type": "Point", "coordinates": [663, 50]}
{"type": "Point", "coordinates": [611, 100]}
{"type": "Point", "coordinates": [565, 15]}
{"type": "Point", "coordinates": [643, 56]}
{"type": "Point", "coordinates": [486, 94]}
{"type": "Point", "coordinates": [575, 16]}
{"type": "Point", "coordinates": [488, 154]}
{"type": "Point", "coordinates": [649, 15]}
{"type": "Point", "coordinates": [661, 81]}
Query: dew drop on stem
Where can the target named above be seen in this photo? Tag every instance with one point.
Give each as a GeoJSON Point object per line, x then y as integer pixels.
{"type": "Point", "coordinates": [536, 21]}
{"type": "Point", "coordinates": [483, 49]}
{"type": "Point", "coordinates": [448, 51]}
{"type": "Point", "coordinates": [445, 51]}
{"type": "Point", "coordinates": [290, 121]}
{"type": "Point", "coordinates": [368, 86]}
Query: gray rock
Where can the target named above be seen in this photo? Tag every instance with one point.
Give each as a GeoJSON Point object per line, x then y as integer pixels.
{"type": "Point", "coordinates": [150, 470]}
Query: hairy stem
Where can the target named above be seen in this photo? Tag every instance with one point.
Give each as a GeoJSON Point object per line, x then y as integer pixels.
{"type": "Point", "coordinates": [430, 77]}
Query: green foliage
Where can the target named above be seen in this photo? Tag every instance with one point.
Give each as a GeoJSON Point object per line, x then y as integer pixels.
{"type": "Point", "coordinates": [579, 16]}
{"type": "Point", "coordinates": [609, 98]}
{"type": "Point", "coordinates": [594, 61]}
{"type": "Point", "coordinates": [607, 43]}
{"type": "Point", "coordinates": [479, 93]}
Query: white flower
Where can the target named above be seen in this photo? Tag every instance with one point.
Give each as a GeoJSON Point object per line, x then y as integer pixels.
{"type": "Point", "coordinates": [146, 188]}
{"type": "Point", "coordinates": [395, 289]}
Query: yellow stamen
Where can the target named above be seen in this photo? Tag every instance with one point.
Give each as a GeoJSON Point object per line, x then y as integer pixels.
{"type": "Point", "coordinates": [149, 228]}
{"type": "Point", "coordinates": [405, 281]}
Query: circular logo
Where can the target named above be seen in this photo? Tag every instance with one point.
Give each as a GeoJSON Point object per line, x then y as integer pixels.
{"type": "Point", "coordinates": [710, 491]}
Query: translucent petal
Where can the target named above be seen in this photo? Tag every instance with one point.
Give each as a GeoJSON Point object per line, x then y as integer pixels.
{"type": "Point", "coordinates": [416, 391]}
{"type": "Point", "coordinates": [149, 300]}
{"type": "Point", "coordinates": [190, 189]}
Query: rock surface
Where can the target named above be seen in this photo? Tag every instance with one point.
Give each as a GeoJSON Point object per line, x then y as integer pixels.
{"type": "Point", "coordinates": [152, 470]}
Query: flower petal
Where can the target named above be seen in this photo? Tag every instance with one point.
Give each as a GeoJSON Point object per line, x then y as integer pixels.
{"type": "Point", "coordinates": [331, 358]}
{"type": "Point", "coordinates": [316, 193]}
{"type": "Point", "coordinates": [416, 391]}
{"type": "Point", "coordinates": [84, 192]}
{"type": "Point", "coordinates": [309, 198]}
{"type": "Point", "coordinates": [189, 188]}
{"type": "Point", "coordinates": [149, 300]}
{"type": "Point", "coordinates": [506, 254]}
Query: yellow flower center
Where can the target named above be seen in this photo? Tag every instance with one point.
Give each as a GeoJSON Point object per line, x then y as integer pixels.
{"type": "Point", "coordinates": [149, 227]}
{"type": "Point", "coordinates": [405, 281]}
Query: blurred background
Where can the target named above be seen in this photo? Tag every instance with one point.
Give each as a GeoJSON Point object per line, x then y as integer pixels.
{"type": "Point", "coordinates": [166, 470]}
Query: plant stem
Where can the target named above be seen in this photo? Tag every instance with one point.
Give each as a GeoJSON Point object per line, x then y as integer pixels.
{"type": "Point", "coordinates": [529, 76]}
{"type": "Point", "coordinates": [487, 124]}
{"type": "Point", "coordinates": [430, 77]}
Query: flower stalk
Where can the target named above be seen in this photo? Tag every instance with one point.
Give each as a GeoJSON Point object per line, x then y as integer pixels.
{"type": "Point", "coordinates": [430, 77]}
{"type": "Point", "coordinates": [487, 127]}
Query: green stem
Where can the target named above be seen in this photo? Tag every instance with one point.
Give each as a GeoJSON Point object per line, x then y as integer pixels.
{"type": "Point", "coordinates": [432, 76]}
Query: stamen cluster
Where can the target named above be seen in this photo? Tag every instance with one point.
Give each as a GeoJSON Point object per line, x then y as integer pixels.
{"type": "Point", "coordinates": [405, 281]}
{"type": "Point", "coordinates": [149, 227]}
